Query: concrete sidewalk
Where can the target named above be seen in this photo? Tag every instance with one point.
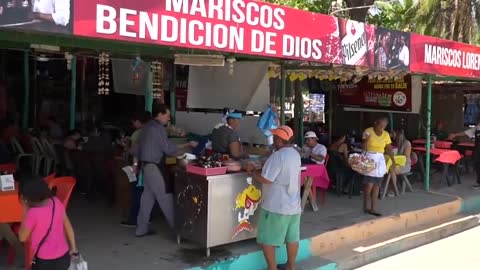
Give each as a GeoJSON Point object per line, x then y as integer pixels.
{"type": "Point", "coordinates": [339, 223]}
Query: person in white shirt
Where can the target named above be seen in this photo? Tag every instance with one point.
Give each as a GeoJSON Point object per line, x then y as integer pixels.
{"type": "Point", "coordinates": [473, 134]}
{"type": "Point", "coordinates": [313, 150]}
{"type": "Point", "coordinates": [404, 55]}
{"type": "Point", "coordinates": [55, 11]}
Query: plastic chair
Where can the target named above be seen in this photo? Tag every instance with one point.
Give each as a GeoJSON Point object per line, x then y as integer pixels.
{"type": "Point", "coordinates": [51, 154]}
{"type": "Point", "coordinates": [443, 145]}
{"type": "Point", "coordinates": [49, 178]}
{"type": "Point", "coordinates": [21, 155]}
{"type": "Point", "coordinates": [62, 187]}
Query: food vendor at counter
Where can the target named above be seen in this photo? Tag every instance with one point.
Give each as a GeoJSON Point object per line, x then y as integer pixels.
{"type": "Point", "coordinates": [225, 139]}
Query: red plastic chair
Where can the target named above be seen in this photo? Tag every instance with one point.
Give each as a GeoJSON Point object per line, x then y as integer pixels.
{"type": "Point", "coordinates": [8, 167]}
{"type": "Point", "coordinates": [443, 145]}
{"type": "Point", "coordinates": [64, 187]}
{"type": "Point", "coordinates": [49, 178]}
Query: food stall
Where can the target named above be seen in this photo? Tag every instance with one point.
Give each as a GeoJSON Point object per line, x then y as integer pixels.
{"type": "Point", "coordinates": [216, 210]}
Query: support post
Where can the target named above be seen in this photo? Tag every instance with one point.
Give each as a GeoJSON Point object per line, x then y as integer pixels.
{"type": "Point", "coordinates": [73, 92]}
{"type": "Point", "coordinates": [299, 112]}
{"type": "Point", "coordinates": [330, 115]}
{"type": "Point", "coordinates": [26, 90]}
{"type": "Point", "coordinates": [283, 90]}
{"type": "Point", "coordinates": [429, 131]}
{"type": "Point", "coordinates": [173, 94]}
{"type": "Point", "coordinates": [390, 119]}
{"type": "Point", "coordinates": [149, 93]}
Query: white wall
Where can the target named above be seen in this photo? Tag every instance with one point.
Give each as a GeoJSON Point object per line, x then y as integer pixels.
{"type": "Point", "coordinates": [203, 123]}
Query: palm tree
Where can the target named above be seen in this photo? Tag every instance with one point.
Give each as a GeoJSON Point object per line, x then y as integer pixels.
{"type": "Point", "coordinates": [450, 19]}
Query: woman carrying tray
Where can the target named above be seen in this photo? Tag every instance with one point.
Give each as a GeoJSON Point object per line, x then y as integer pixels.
{"type": "Point", "coordinates": [376, 141]}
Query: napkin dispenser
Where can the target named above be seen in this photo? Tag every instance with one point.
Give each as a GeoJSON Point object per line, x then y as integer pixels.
{"type": "Point", "coordinates": [7, 183]}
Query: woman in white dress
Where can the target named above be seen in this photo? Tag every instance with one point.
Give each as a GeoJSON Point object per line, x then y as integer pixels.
{"type": "Point", "coordinates": [376, 141]}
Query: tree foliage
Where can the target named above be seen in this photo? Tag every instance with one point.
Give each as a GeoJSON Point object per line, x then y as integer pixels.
{"type": "Point", "coordinates": [450, 19]}
{"type": "Point", "coordinates": [319, 6]}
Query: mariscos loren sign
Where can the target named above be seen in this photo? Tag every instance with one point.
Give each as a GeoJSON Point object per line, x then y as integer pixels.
{"type": "Point", "coordinates": [239, 26]}
{"type": "Point", "coordinates": [444, 57]}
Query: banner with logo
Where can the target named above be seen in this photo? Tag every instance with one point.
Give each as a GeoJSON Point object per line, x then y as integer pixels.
{"type": "Point", "coordinates": [36, 15]}
{"type": "Point", "coordinates": [357, 42]}
{"type": "Point", "coordinates": [237, 26]}
{"type": "Point", "coordinates": [392, 95]}
{"type": "Point", "coordinates": [444, 57]}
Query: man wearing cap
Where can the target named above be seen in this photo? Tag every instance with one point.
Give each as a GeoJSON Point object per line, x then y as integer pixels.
{"type": "Point", "coordinates": [312, 150]}
{"type": "Point", "coordinates": [225, 139]}
{"type": "Point", "coordinates": [279, 217]}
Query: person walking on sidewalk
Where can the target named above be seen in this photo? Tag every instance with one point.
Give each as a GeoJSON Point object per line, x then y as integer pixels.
{"type": "Point", "coordinates": [47, 225]}
{"type": "Point", "coordinates": [375, 142]}
{"type": "Point", "coordinates": [153, 146]}
{"type": "Point", "coordinates": [473, 134]}
{"type": "Point", "coordinates": [279, 221]}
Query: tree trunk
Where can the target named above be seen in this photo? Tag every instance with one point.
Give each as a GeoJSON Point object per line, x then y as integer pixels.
{"type": "Point", "coordinates": [359, 14]}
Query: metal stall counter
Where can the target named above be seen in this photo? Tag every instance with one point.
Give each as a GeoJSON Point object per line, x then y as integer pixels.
{"type": "Point", "coordinates": [216, 210]}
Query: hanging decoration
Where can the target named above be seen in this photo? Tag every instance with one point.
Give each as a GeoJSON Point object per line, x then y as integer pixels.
{"type": "Point", "coordinates": [157, 79]}
{"type": "Point", "coordinates": [136, 69]}
{"type": "Point", "coordinates": [231, 68]}
{"type": "Point", "coordinates": [340, 73]}
{"type": "Point", "coordinates": [104, 74]}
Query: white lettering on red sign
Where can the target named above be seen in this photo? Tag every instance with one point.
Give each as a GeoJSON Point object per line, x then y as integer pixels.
{"type": "Point", "coordinates": [449, 57]}
{"type": "Point", "coordinates": [234, 25]}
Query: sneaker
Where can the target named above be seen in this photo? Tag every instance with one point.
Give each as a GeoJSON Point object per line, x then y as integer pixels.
{"type": "Point", "coordinates": [476, 186]}
{"type": "Point", "coordinates": [127, 224]}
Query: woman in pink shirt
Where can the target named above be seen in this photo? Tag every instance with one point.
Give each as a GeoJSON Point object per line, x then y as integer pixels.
{"type": "Point", "coordinates": [45, 221]}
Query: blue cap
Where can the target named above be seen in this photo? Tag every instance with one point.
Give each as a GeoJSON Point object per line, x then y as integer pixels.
{"type": "Point", "coordinates": [235, 115]}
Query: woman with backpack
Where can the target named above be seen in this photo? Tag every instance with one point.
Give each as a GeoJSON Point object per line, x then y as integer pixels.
{"type": "Point", "coordinates": [48, 227]}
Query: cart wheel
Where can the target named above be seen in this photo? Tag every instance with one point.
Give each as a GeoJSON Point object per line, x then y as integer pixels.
{"type": "Point", "coordinates": [179, 240]}
{"type": "Point", "coordinates": [208, 252]}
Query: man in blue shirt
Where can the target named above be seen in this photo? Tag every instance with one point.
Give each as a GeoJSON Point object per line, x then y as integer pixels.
{"type": "Point", "coordinates": [279, 221]}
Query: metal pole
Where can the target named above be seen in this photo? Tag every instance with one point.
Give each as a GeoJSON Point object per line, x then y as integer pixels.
{"type": "Point", "coordinates": [299, 112]}
{"type": "Point", "coordinates": [283, 79]}
{"type": "Point", "coordinates": [330, 115]}
{"type": "Point", "coordinates": [73, 92]}
{"type": "Point", "coordinates": [26, 90]}
{"type": "Point", "coordinates": [173, 93]}
{"type": "Point", "coordinates": [390, 116]}
{"type": "Point", "coordinates": [149, 93]}
{"type": "Point", "coordinates": [429, 131]}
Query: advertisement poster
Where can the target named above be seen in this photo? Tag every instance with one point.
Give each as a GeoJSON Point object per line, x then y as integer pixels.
{"type": "Point", "coordinates": [238, 26]}
{"type": "Point", "coordinates": [53, 16]}
{"type": "Point", "coordinates": [357, 42]}
{"type": "Point", "coordinates": [392, 49]}
{"type": "Point", "coordinates": [444, 57]}
{"type": "Point", "coordinates": [391, 95]}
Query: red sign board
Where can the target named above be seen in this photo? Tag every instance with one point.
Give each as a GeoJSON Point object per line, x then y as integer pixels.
{"type": "Point", "coordinates": [237, 26]}
{"type": "Point", "coordinates": [444, 57]}
{"type": "Point", "coordinates": [391, 95]}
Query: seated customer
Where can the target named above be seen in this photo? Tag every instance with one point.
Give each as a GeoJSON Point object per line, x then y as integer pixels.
{"type": "Point", "coordinates": [313, 152]}
{"type": "Point", "coordinates": [72, 141]}
{"type": "Point", "coordinates": [339, 145]}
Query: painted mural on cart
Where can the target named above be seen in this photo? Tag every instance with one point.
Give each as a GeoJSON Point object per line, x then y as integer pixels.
{"type": "Point", "coordinates": [246, 204]}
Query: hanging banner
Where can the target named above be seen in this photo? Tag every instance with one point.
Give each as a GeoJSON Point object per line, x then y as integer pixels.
{"type": "Point", "coordinates": [392, 50]}
{"type": "Point", "coordinates": [392, 95]}
{"type": "Point", "coordinates": [39, 15]}
{"type": "Point", "coordinates": [444, 57]}
{"type": "Point", "coordinates": [237, 26]}
{"type": "Point", "coordinates": [357, 42]}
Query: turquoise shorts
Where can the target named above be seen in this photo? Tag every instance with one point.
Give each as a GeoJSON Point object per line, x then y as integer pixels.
{"type": "Point", "coordinates": [277, 229]}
